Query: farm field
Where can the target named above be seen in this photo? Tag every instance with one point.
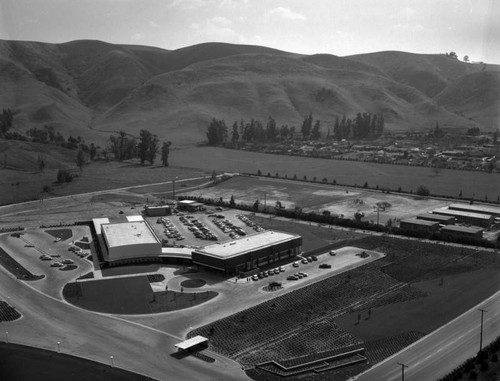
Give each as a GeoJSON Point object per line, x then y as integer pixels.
{"type": "Point", "coordinates": [319, 197]}
{"type": "Point", "coordinates": [388, 310]}
{"type": "Point", "coordinates": [449, 182]}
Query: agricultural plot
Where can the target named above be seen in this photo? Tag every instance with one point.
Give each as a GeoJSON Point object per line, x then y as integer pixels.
{"type": "Point", "coordinates": [386, 176]}
{"type": "Point", "coordinates": [304, 319]}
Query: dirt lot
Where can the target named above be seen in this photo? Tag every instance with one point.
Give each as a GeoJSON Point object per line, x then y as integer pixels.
{"type": "Point", "coordinates": [320, 197]}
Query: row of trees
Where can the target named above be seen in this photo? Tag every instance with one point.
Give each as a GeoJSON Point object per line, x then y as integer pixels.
{"type": "Point", "coordinates": [125, 147]}
{"type": "Point", "coordinates": [6, 119]}
{"type": "Point", "coordinates": [364, 125]}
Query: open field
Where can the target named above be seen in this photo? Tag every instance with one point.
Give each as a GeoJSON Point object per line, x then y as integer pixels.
{"type": "Point", "coordinates": [18, 186]}
{"type": "Point", "coordinates": [319, 197]}
{"type": "Point", "coordinates": [449, 182]}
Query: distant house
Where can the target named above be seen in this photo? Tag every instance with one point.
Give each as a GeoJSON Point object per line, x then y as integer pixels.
{"type": "Point", "coordinates": [462, 231]}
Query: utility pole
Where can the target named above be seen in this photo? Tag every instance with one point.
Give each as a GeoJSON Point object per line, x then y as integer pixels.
{"type": "Point", "coordinates": [265, 202]}
{"type": "Point", "coordinates": [378, 208]}
{"type": "Point", "coordinates": [403, 366]}
{"type": "Point", "coordinates": [481, 334]}
{"type": "Point", "coordinates": [173, 188]}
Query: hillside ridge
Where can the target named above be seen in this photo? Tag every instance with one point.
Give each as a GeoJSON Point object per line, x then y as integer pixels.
{"type": "Point", "coordinates": [91, 87]}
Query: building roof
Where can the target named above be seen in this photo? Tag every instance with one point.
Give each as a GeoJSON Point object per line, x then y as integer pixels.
{"type": "Point", "coordinates": [484, 209]}
{"type": "Point", "coordinates": [98, 222]}
{"type": "Point", "coordinates": [128, 233]}
{"type": "Point", "coordinates": [415, 221]}
{"type": "Point", "coordinates": [435, 217]}
{"type": "Point", "coordinates": [459, 213]}
{"type": "Point", "coordinates": [186, 202]}
{"type": "Point", "coordinates": [248, 243]}
{"type": "Point", "coordinates": [191, 342]}
{"type": "Point", "coordinates": [134, 218]}
{"type": "Point", "coordinates": [461, 229]}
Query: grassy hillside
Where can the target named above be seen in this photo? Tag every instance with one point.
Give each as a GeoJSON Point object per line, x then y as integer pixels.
{"type": "Point", "coordinates": [90, 88]}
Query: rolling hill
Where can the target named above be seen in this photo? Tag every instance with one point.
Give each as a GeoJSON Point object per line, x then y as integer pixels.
{"type": "Point", "coordinates": [91, 88]}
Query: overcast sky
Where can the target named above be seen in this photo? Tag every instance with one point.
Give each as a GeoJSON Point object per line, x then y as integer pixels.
{"type": "Point", "coordinates": [340, 27]}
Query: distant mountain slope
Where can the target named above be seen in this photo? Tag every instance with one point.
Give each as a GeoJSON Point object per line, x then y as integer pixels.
{"type": "Point", "coordinates": [91, 88]}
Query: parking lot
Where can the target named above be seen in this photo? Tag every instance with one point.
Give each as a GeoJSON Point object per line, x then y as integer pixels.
{"type": "Point", "coordinates": [202, 228]}
{"type": "Point", "coordinates": [43, 254]}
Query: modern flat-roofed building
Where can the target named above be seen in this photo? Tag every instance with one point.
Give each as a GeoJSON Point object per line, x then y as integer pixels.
{"type": "Point", "coordinates": [477, 219]}
{"type": "Point", "coordinates": [414, 224]}
{"type": "Point", "coordinates": [157, 211]}
{"type": "Point", "coordinates": [189, 205]}
{"type": "Point", "coordinates": [249, 253]}
{"type": "Point", "coordinates": [443, 220]}
{"type": "Point", "coordinates": [128, 242]}
{"type": "Point", "coordinates": [474, 208]}
{"type": "Point", "coordinates": [462, 231]}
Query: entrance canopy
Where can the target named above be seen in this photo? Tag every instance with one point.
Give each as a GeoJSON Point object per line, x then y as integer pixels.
{"type": "Point", "coordinates": [192, 342]}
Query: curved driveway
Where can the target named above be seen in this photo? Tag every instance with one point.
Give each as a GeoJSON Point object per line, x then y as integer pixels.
{"type": "Point", "coordinates": [134, 347]}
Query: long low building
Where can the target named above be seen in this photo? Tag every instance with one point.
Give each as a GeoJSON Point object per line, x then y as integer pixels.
{"type": "Point", "coordinates": [249, 253]}
{"type": "Point", "coordinates": [443, 220]}
{"type": "Point", "coordinates": [462, 231]}
{"type": "Point", "coordinates": [474, 208]}
{"type": "Point", "coordinates": [477, 219]}
{"type": "Point", "coordinates": [414, 224]}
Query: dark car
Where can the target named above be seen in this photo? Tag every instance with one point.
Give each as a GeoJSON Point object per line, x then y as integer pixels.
{"type": "Point", "coordinates": [292, 277]}
{"type": "Point", "coordinates": [325, 266]}
{"type": "Point", "coordinates": [314, 258]}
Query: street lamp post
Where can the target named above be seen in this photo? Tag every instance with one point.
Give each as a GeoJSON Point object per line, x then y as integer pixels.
{"type": "Point", "coordinates": [111, 358]}
{"type": "Point", "coordinates": [403, 366]}
{"type": "Point", "coordinates": [58, 347]}
{"type": "Point", "coordinates": [481, 333]}
{"type": "Point", "coordinates": [6, 337]}
{"type": "Point", "coordinates": [173, 187]}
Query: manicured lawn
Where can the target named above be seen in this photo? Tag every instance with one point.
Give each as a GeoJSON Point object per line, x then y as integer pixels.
{"type": "Point", "coordinates": [18, 362]}
{"type": "Point", "coordinates": [130, 295]}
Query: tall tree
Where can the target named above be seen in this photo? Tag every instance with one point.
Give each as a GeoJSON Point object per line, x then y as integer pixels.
{"type": "Point", "coordinates": [165, 152]}
{"type": "Point", "coordinates": [307, 126]}
{"type": "Point", "coordinates": [80, 159]}
{"type": "Point", "coordinates": [145, 138]}
{"type": "Point", "coordinates": [235, 136]}
{"type": "Point", "coordinates": [153, 148]}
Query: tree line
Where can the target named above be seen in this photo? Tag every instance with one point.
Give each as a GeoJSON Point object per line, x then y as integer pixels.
{"type": "Point", "coordinates": [362, 126]}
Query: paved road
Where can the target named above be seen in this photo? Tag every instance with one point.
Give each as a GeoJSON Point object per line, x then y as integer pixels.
{"type": "Point", "coordinates": [443, 350]}
{"type": "Point", "coordinates": [134, 347]}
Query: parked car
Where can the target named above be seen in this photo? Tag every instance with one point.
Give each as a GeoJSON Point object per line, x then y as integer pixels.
{"type": "Point", "coordinates": [305, 261]}
{"type": "Point", "coordinates": [265, 274]}
{"type": "Point", "coordinates": [314, 258]}
{"type": "Point", "coordinates": [332, 252]}
{"type": "Point", "coordinates": [255, 277]}
{"type": "Point", "coordinates": [298, 275]}
{"type": "Point", "coordinates": [68, 261]}
{"type": "Point", "coordinates": [56, 264]}
{"type": "Point", "coordinates": [303, 274]}
{"type": "Point", "coordinates": [282, 268]}
{"type": "Point", "coordinates": [295, 264]}
{"type": "Point", "coordinates": [260, 275]}
{"type": "Point", "coordinates": [325, 266]}
{"type": "Point", "coordinates": [276, 271]}
{"type": "Point", "coordinates": [292, 277]}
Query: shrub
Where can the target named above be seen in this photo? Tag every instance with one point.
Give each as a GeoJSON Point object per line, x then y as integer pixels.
{"type": "Point", "coordinates": [63, 176]}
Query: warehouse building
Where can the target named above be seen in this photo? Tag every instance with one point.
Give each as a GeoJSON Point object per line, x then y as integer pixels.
{"type": "Point", "coordinates": [462, 231]}
{"type": "Point", "coordinates": [443, 220]}
{"type": "Point", "coordinates": [246, 254]}
{"type": "Point", "coordinates": [476, 219]}
{"type": "Point", "coordinates": [481, 209]}
{"type": "Point", "coordinates": [128, 241]}
{"type": "Point", "coordinates": [414, 224]}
